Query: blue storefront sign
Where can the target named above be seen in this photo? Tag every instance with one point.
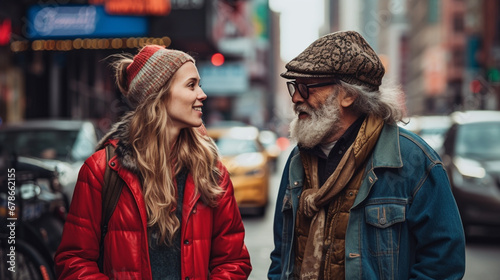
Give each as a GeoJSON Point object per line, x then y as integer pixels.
{"type": "Point", "coordinates": [229, 79]}
{"type": "Point", "coordinates": [57, 22]}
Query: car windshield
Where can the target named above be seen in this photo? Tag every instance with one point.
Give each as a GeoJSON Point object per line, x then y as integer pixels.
{"type": "Point", "coordinates": [64, 145]}
{"type": "Point", "coordinates": [479, 141]}
{"type": "Point", "coordinates": [438, 131]}
{"type": "Point", "coordinates": [233, 146]}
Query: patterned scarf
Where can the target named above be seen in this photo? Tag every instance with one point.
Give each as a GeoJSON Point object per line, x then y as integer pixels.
{"type": "Point", "coordinates": [313, 200]}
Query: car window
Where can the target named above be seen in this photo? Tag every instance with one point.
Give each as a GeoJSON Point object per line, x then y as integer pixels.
{"type": "Point", "coordinates": [85, 143]}
{"type": "Point", "coordinates": [479, 141]}
{"type": "Point", "coordinates": [433, 131]}
{"type": "Point", "coordinates": [232, 146]}
{"type": "Point", "coordinates": [47, 144]}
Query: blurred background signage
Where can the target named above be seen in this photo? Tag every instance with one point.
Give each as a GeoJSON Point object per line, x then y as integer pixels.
{"type": "Point", "coordinates": [187, 21]}
{"type": "Point", "coordinates": [135, 7]}
{"type": "Point", "coordinates": [227, 79]}
{"type": "Point", "coordinates": [5, 30]}
{"type": "Point", "coordinates": [232, 27]}
{"type": "Point", "coordinates": [81, 21]}
{"type": "Point", "coordinates": [434, 68]}
{"type": "Point", "coordinates": [187, 4]}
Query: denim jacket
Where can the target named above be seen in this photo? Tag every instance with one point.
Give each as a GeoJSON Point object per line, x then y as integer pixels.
{"type": "Point", "coordinates": [404, 223]}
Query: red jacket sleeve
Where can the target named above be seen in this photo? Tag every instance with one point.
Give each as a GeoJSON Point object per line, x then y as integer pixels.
{"type": "Point", "coordinates": [76, 257]}
{"type": "Point", "coordinates": [229, 256]}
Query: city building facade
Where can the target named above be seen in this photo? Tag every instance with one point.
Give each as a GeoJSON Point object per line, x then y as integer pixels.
{"type": "Point", "coordinates": [55, 56]}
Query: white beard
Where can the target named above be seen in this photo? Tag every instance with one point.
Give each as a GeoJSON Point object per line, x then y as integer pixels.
{"type": "Point", "coordinates": [321, 123]}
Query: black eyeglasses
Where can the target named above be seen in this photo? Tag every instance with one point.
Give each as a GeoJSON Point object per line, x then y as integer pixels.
{"type": "Point", "coordinates": [303, 89]}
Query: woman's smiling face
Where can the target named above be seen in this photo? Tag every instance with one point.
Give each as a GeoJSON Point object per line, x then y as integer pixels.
{"type": "Point", "coordinates": [185, 104]}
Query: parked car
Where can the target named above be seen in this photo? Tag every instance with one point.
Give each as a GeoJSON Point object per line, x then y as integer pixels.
{"type": "Point", "coordinates": [430, 128]}
{"type": "Point", "coordinates": [471, 155]}
{"type": "Point", "coordinates": [269, 140]}
{"type": "Point", "coordinates": [248, 164]}
{"type": "Point", "coordinates": [30, 195]}
{"type": "Point", "coordinates": [62, 144]}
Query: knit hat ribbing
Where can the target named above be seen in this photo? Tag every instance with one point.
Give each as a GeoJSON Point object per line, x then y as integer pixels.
{"type": "Point", "coordinates": [341, 55]}
{"type": "Point", "coordinates": [151, 68]}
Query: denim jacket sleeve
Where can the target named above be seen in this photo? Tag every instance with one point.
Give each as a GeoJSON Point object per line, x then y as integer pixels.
{"type": "Point", "coordinates": [275, 269]}
{"type": "Point", "coordinates": [440, 246]}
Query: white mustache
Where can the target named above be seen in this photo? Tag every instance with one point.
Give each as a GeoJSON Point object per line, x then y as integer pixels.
{"type": "Point", "coordinates": [302, 108]}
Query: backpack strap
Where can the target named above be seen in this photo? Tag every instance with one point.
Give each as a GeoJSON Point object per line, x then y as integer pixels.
{"type": "Point", "coordinates": [110, 194]}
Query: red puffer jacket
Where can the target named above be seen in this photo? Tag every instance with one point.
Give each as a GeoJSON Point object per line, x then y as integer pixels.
{"type": "Point", "coordinates": [212, 238]}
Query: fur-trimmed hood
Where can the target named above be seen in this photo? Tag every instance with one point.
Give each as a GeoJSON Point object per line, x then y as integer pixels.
{"type": "Point", "coordinates": [120, 131]}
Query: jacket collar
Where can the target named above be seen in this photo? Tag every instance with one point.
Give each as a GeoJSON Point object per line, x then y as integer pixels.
{"type": "Point", "coordinates": [387, 152]}
{"type": "Point", "coordinates": [120, 131]}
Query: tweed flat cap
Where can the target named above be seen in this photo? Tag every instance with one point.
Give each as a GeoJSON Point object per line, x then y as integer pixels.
{"type": "Point", "coordinates": [343, 55]}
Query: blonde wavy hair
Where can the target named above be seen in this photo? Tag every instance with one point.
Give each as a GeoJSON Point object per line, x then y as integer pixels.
{"type": "Point", "coordinates": [159, 160]}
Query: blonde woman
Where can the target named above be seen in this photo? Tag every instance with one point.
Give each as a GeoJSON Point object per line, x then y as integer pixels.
{"type": "Point", "coordinates": [176, 217]}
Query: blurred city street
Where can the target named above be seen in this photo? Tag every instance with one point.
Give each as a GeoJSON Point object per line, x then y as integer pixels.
{"type": "Point", "coordinates": [482, 254]}
{"type": "Point", "coordinates": [259, 230]}
{"type": "Point", "coordinates": [59, 97]}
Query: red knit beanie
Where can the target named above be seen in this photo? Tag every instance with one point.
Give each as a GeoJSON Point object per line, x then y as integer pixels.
{"type": "Point", "coordinates": [152, 67]}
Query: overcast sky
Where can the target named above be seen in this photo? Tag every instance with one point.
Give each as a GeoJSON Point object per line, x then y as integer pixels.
{"type": "Point", "coordinates": [300, 20]}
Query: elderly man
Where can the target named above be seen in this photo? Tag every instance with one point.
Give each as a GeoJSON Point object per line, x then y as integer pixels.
{"type": "Point", "coordinates": [360, 198]}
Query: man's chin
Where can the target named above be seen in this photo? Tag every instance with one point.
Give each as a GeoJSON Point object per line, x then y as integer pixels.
{"type": "Point", "coordinates": [305, 136]}
{"type": "Point", "coordinates": [305, 145]}
{"type": "Point", "coordinates": [313, 128]}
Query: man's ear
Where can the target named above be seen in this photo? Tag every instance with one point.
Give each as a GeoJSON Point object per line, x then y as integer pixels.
{"type": "Point", "coordinates": [346, 98]}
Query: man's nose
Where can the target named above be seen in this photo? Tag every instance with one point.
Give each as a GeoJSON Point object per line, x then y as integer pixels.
{"type": "Point", "coordinates": [296, 98]}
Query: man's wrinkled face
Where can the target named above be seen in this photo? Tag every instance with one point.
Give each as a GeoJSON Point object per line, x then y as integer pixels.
{"type": "Point", "coordinates": [317, 117]}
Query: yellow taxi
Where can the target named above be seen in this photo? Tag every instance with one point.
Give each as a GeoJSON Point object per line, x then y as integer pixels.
{"type": "Point", "coordinates": [248, 164]}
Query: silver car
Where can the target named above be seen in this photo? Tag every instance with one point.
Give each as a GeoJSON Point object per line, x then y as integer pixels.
{"type": "Point", "coordinates": [62, 144]}
{"type": "Point", "coordinates": [430, 128]}
{"type": "Point", "coordinates": [471, 155]}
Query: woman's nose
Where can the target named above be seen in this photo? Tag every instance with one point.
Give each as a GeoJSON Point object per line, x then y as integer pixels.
{"type": "Point", "coordinates": [202, 95]}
